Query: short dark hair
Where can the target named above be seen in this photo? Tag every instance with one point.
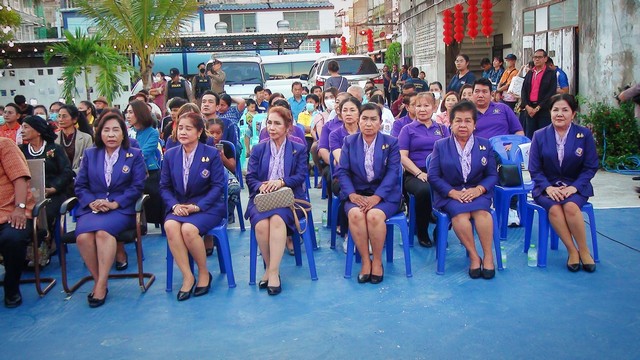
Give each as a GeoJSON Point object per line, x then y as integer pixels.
{"type": "Point", "coordinates": [226, 98]}
{"type": "Point", "coordinates": [15, 106]}
{"type": "Point", "coordinates": [177, 102]}
{"type": "Point", "coordinates": [295, 83]}
{"type": "Point", "coordinates": [58, 103]}
{"type": "Point", "coordinates": [414, 72]}
{"type": "Point", "coordinates": [282, 103]}
{"type": "Point", "coordinates": [462, 106]}
{"type": "Point", "coordinates": [570, 99]}
{"type": "Point", "coordinates": [257, 89]}
{"type": "Point", "coordinates": [112, 116]}
{"type": "Point", "coordinates": [313, 97]}
{"type": "Point", "coordinates": [274, 96]}
{"type": "Point", "coordinates": [333, 66]}
{"type": "Point", "coordinates": [210, 92]}
{"type": "Point", "coordinates": [142, 113]}
{"type": "Point", "coordinates": [485, 61]}
{"type": "Point", "coordinates": [463, 87]}
{"type": "Point", "coordinates": [482, 82]}
{"type": "Point", "coordinates": [372, 106]}
{"type": "Point", "coordinates": [314, 87]}
{"type": "Point", "coordinates": [437, 83]}
{"type": "Point", "coordinates": [250, 102]}
{"type": "Point", "coordinates": [376, 99]}
{"type": "Point", "coordinates": [352, 100]}
{"type": "Point", "coordinates": [408, 86]}
{"type": "Point", "coordinates": [499, 58]}
{"type": "Point", "coordinates": [19, 99]}
{"type": "Point", "coordinates": [46, 112]}
{"type": "Point", "coordinates": [464, 56]}
{"type": "Point", "coordinates": [203, 64]}
{"type": "Point", "coordinates": [544, 52]}
{"type": "Point", "coordinates": [549, 61]}
{"type": "Point", "coordinates": [198, 122]}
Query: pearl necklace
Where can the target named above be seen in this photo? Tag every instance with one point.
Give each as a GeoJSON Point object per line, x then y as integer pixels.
{"type": "Point", "coordinates": [64, 142]}
{"type": "Point", "coordinates": [39, 152]}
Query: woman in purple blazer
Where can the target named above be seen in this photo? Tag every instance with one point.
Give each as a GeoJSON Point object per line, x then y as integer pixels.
{"type": "Point", "coordinates": [369, 174]}
{"type": "Point", "coordinates": [192, 184]}
{"type": "Point", "coordinates": [562, 162]}
{"type": "Point", "coordinates": [462, 174]}
{"type": "Point", "coordinates": [109, 182]}
{"type": "Point", "coordinates": [274, 164]}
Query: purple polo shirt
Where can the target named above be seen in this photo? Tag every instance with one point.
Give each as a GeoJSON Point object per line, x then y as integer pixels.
{"type": "Point", "coordinates": [327, 128]}
{"type": "Point", "coordinates": [399, 124]}
{"type": "Point", "coordinates": [419, 139]}
{"type": "Point", "coordinates": [336, 139]}
{"type": "Point", "coordinates": [498, 119]}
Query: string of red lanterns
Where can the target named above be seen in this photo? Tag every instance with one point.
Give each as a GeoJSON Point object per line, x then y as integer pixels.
{"type": "Point", "coordinates": [487, 21]}
{"type": "Point", "coordinates": [458, 23]}
{"type": "Point", "coordinates": [447, 33]}
{"type": "Point", "coordinates": [472, 19]}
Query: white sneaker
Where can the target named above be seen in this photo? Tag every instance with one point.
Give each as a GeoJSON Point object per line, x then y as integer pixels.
{"type": "Point", "coordinates": [513, 219]}
{"type": "Point", "coordinates": [344, 245]}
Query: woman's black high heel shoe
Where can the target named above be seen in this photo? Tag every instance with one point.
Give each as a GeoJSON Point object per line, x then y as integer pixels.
{"type": "Point", "coordinates": [364, 278]}
{"type": "Point", "coordinates": [573, 267]}
{"type": "Point", "coordinates": [95, 302]}
{"type": "Point", "coordinates": [185, 295]}
{"type": "Point", "coordinates": [203, 290]}
{"type": "Point", "coordinates": [263, 284]}
{"type": "Point", "coordinates": [377, 279]}
{"type": "Point", "coordinates": [275, 290]}
{"type": "Point", "coordinates": [588, 267]}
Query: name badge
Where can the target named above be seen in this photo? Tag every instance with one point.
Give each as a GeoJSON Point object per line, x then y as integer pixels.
{"type": "Point", "coordinates": [205, 173]}
{"type": "Point", "coordinates": [496, 111]}
{"type": "Point", "coordinates": [438, 133]}
{"type": "Point", "coordinates": [579, 152]}
{"type": "Point", "coordinates": [125, 169]}
{"type": "Point", "coordinates": [483, 161]}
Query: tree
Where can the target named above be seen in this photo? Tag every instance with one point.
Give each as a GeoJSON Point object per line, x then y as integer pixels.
{"type": "Point", "coordinates": [8, 19]}
{"type": "Point", "coordinates": [392, 56]}
{"type": "Point", "coordinates": [140, 26]}
{"type": "Point", "coordinates": [80, 53]}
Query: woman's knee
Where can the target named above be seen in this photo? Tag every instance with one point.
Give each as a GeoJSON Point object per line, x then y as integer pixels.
{"type": "Point", "coordinates": [355, 215]}
{"type": "Point", "coordinates": [571, 210]}
{"type": "Point", "coordinates": [189, 231]}
{"type": "Point", "coordinates": [375, 217]}
{"type": "Point", "coordinates": [103, 236]}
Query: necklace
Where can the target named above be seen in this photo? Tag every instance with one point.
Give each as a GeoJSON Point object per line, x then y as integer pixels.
{"type": "Point", "coordinates": [64, 142]}
{"type": "Point", "coordinates": [39, 152]}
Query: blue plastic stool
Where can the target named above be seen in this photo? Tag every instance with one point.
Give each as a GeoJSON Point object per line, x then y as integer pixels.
{"type": "Point", "coordinates": [308, 246]}
{"type": "Point", "coordinates": [544, 231]}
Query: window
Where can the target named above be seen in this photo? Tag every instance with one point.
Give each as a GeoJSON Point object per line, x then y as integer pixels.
{"type": "Point", "coordinates": [303, 20]}
{"type": "Point", "coordinates": [541, 19]}
{"type": "Point", "coordinates": [239, 23]}
{"type": "Point", "coordinates": [290, 70]}
{"type": "Point", "coordinates": [353, 66]}
{"type": "Point", "coordinates": [563, 14]}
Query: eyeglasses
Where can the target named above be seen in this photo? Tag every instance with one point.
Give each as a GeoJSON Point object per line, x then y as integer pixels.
{"type": "Point", "coordinates": [538, 57]}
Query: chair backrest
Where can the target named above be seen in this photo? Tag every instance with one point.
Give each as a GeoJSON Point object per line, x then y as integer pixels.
{"type": "Point", "coordinates": [36, 168]}
{"type": "Point", "coordinates": [257, 120]}
{"type": "Point", "coordinates": [238, 171]}
{"type": "Point", "coordinates": [499, 142]}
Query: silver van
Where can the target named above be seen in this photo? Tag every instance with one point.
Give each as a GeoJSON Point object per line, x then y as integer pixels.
{"type": "Point", "coordinates": [357, 69]}
{"type": "Point", "coordinates": [243, 74]}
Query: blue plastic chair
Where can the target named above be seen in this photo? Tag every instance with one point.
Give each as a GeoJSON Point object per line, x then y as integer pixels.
{"type": "Point", "coordinates": [238, 176]}
{"type": "Point", "coordinates": [545, 231]}
{"type": "Point", "coordinates": [502, 195]}
{"type": "Point", "coordinates": [443, 221]}
{"type": "Point", "coordinates": [412, 218]}
{"type": "Point", "coordinates": [222, 243]}
{"type": "Point", "coordinates": [333, 206]}
{"type": "Point", "coordinates": [308, 246]}
{"type": "Point", "coordinates": [399, 220]}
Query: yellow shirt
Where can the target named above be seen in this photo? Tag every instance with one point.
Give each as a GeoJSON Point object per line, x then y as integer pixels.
{"type": "Point", "coordinates": [304, 118]}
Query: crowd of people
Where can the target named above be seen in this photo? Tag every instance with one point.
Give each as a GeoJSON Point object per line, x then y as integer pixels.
{"type": "Point", "coordinates": [175, 141]}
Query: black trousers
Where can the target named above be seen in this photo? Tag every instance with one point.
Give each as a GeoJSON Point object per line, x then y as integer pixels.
{"type": "Point", "coordinates": [154, 207]}
{"type": "Point", "coordinates": [13, 247]}
{"type": "Point", "coordinates": [422, 192]}
{"type": "Point", "coordinates": [540, 120]}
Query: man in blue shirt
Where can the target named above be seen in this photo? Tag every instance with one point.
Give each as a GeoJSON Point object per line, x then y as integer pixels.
{"type": "Point", "coordinates": [563, 79]}
{"type": "Point", "coordinates": [496, 72]}
{"type": "Point", "coordinates": [298, 102]}
{"type": "Point", "coordinates": [261, 102]}
{"type": "Point", "coordinates": [419, 84]}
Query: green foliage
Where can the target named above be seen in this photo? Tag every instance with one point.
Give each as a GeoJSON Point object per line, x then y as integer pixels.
{"type": "Point", "coordinates": [80, 53]}
{"type": "Point", "coordinates": [392, 56]}
{"type": "Point", "coordinates": [616, 132]}
{"type": "Point", "coordinates": [8, 18]}
{"type": "Point", "coordinates": [140, 26]}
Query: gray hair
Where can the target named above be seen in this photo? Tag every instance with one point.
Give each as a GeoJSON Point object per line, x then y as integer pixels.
{"type": "Point", "coordinates": [356, 91]}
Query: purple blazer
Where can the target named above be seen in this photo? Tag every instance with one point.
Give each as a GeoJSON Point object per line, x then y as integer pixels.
{"type": "Point", "coordinates": [579, 164]}
{"type": "Point", "coordinates": [295, 168]}
{"type": "Point", "coordinates": [445, 171]}
{"type": "Point", "coordinates": [205, 184]}
{"type": "Point", "coordinates": [127, 180]}
{"type": "Point", "coordinates": [386, 168]}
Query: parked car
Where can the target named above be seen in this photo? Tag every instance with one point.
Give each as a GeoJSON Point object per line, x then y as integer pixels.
{"type": "Point", "coordinates": [243, 73]}
{"type": "Point", "coordinates": [358, 69]}
{"type": "Point", "coordinates": [281, 71]}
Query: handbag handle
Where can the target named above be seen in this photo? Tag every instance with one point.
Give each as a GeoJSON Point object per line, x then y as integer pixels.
{"type": "Point", "coordinates": [304, 206]}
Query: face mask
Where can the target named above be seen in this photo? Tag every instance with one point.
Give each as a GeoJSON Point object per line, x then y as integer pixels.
{"type": "Point", "coordinates": [364, 100]}
{"type": "Point", "coordinates": [43, 117]}
{"type": "Point", "coordinates": [330, 104]}
{"type": "Point", "coordinates": [2, 120]}
{"type": "Point", "coordinates": [53, 116]}
{"type": "Point", "coordinates": [158, 78]}
{"type": "Point", "coordinates": [310, 107]}
{"type": "Point", "coordinates": [201, 71]}
{"type": "Point", "coordinates": [436, 95]}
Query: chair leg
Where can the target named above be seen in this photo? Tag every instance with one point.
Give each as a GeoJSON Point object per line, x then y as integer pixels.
{"type": "Point", "coordinates": [169, 287]}
{"type": "Point", "coordinates": [253, 257]}
{"type": "Point", "coordinates": [240, 218]}
{"type": "Point", "coordinates": [404, 233]}
{"type": "Point", "coordinates": [349, 265]}
{"type": "Point", "coordinates": [496, 241]}
{"type": "Point", "coordinates": [335, 208]}
{"type": "Point", "coordinates": [412, 218]}
{"type": "Point", "coordinates": [543, 238]}
{"type": "Point", "coordinates": [296, 247]}
{"type": "Point", "coordinates": [225, 252]}
{"type": "Point", "coordinates": [308, 246]}
{"type": "Point", "coordinates": [388, 243]}
{"type": "Point", "coordinates": [504, 215]}
{"type": "Point", "coordinates": [441, 246]}
{"type": "Point", "coordinates": [588, 208]}
{"type": "Point", "coordinates": [528, 225]}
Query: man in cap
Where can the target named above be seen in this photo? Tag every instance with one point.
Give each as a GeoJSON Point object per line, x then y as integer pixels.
{"type": "Point", "coordinates": [101, 103]}
{"type": "Point", "coordinates": [178, 87]}
{"type": "Point", "coordinates": [503, 85]}
{"type": "Point", "coordinates": [218, 77]}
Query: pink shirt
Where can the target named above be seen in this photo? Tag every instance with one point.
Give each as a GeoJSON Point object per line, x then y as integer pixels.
{"type": "Point", "coordinates": [535, 83]}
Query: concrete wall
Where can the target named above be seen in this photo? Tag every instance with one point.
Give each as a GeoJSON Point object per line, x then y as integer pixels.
{"type": "Point", "coordinates": [266, 21]}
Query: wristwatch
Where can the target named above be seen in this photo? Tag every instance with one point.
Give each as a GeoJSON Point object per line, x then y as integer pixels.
{"type": "Point", "coordinates": [21, 205]}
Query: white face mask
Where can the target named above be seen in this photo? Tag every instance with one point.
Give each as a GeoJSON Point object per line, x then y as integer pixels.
{"type": "Point", "coordinates": [436, 95]}
{"type": "Point", "coordinates": [43, 117]}
{"type": "Point", "coordinates": [330, 104]}
{"type": "Point", "coordinates": [157, 78]}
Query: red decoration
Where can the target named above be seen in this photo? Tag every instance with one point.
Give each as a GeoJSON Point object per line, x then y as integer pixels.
{"type": "Point", "coordinates": [487, 21]}
{"type": "Point", "coordinates": [370, 40]}
{"type": "Point", "coordinates": [447, 33]}
{"type": "Point", "coordinates": [317, 46]}
{"type": "Point", "coordinates": [382, 34]}
{"type": "Point", "coordinates": [458, 23]}
{"type": "Point", "coordinates": [343, 45]}
{"type": "Point", "coordinates": [472, 18]}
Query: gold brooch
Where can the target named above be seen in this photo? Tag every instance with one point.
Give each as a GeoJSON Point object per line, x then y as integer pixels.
{"type": "Point", "coordinates": [482, 147]}
{"type": "Point", "coordinates": [129, 155]}
{"type": "Point", "coordinates": [385, 146]}
{"type": "Point", "coordinates": [205, 159]}
{"type": "Point", "coordinates": [580, 135]}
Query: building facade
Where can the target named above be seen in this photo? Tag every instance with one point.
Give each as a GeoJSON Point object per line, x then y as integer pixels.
{"type": "Point", "coordinates": [32, 15]}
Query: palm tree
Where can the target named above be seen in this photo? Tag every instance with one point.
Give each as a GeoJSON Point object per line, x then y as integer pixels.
{"type": "Point", "coordinates": [140, 26]}
{"type": "Point", "coordinates": [80, 53]}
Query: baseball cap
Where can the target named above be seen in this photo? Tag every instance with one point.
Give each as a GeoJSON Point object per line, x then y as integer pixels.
{"type": "Point", "coordinates": [217, 61]}
{"type": "Point", "coordinates": [511, 57]}
{"type": "Point", "coordinates": [174, 72]}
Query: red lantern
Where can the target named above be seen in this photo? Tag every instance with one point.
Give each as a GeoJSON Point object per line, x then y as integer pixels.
{"type": "Point", "coordinates": [317, 46]}
{"type": "Point", "coordinates": [447, 33]}
{"type": "Point", "coordinates": [473, 19]}
{"type": "Point", "coordinates": [458, 23]}
{"type": "Point", "coordinates": [487, 20]}
{"type": "Point", "coordinates": [369, 40]}
{"type": "Point", "coordinates": [343, 45]}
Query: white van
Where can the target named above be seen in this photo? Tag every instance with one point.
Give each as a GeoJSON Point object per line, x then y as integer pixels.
{"type": "Point", "coordinates": [283, 70]}
{"type": "Point", "coordinates": [243, 74]}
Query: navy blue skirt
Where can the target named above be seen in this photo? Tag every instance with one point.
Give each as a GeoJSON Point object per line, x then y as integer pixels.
{"type": "Point", "coordinates": [455, 207]}
{"type": "Point", "coordinates": [256, 216]}
{"type": "Point", "coordinates": [388, 208]}
{"type": "Point", "coordinates": [113, 222]}
{"type": "Point", "coordinates": [546, 202]}
{"type": "Point", "coordinates": [203, 221]}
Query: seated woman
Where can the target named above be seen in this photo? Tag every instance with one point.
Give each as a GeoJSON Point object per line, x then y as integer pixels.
{"type": "Point", "coordinates": [562, 162]}
{"type": "Point", "coordinates": [191, 186]}
{"type": "Point", "coordinates": [296, 134]}
{"type": "Point", "coordinates": [274, 164]}
{"type": "Point", "coordinates": [416, 143]}
{"type": "Point", "coordinates": [451, 98]}
{"type": "Point", "coordinates": [463, 173]}
{"type": "Point", "coordinates": [172, 138]}
{"type": "Point", "coordinates": [368, 175]}
{"type": "Point", "coordinates": [73, 141]}
{"type": "Point", "coordinates": [58, 175]}
{"type": "Point", "coordinates": [110, 181]}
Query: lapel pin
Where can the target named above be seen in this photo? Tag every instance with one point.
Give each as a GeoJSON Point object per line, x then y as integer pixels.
{"type": "Point", "coordinates": [580, 135]}
{"type": "Point", "coordinates": [579, 152]}
{"type": "Point", "coordinates": [129, 155]}
{"type": "Point", "coordinates": [125, 169]}
{"type": "Point", "coordinates": [482, 147]}
{"type": "Point", "coordinates": [205, 173]}
{"type": "Point", "coordinates": [483, 161]}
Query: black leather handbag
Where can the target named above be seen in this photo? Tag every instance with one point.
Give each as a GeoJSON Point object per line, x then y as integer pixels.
{"type": "Point", "coordinates": [509, 175]}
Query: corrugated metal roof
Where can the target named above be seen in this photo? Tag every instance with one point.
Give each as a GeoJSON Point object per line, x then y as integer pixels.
{"type": "Point", "coordinates": [234, 7]}
{"type": "Point", "coordinates": [265, 6]}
